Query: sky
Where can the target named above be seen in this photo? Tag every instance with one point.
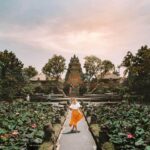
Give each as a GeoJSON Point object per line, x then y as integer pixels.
{"type": "Point", "coordinates": [35, 30]}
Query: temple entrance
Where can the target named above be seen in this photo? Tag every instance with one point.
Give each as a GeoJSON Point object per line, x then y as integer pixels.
{"type": "Point", "coordinates": [74, 76]}
{"type": "Point", "coordinates": [74, 91]}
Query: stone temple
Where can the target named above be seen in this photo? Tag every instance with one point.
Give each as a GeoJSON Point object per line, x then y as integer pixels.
{"type": "Point", "coordinates": [74, 75]}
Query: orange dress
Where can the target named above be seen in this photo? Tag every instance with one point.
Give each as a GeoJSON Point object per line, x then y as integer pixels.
{"type": "Point", "coordinates": [76, 115]}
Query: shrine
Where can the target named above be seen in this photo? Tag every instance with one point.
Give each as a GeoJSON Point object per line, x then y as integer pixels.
{"type": "Point", "coordinates": [74, 75]}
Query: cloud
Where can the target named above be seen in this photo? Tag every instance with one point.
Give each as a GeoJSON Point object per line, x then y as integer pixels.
{"type": "Point", "coordinates": [105, 28]}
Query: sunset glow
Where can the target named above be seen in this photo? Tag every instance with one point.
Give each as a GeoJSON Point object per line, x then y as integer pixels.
{"type": "Point", "coordinates": [105, 28]}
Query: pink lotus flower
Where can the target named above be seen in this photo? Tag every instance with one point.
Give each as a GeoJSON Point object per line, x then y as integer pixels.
{"type": "Point", "coordinates": [4, 136]}
{"type": "Point", "coordinates": [15, 132]}
{"type": "Point", "coordinates": [130, 136]}
{"type": "Point", "coordinates": [33, 125]}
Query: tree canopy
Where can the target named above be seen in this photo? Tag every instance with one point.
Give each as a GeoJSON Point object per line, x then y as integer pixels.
{"type": "Point", "coordinates": [55, 67]}
{"type": "Point", "coordinates": [138, 69]}
{"type": "Point", "coordinates": [93, 66]}
{"type": "Point", "coordinates": [107, 66]}
{"type": "Point", "coordinates": [11, 79]}
{"type": "Point", "coordinates": [30, 71]}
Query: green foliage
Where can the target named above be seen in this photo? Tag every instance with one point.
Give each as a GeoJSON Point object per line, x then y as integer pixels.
{"type": "Point", "coordinates": [147, 148]}
{"type": "Point", "coordinates": [92, 67]}
{"type": "Point", "coordinates": [30, 88]}
{"type": "Point", "coordinates": [1, 66]}
{"type": "Point", "coordinates": [127, 62]}
{"type": "Point", "coordinates": [95, 67]}
{"type": "Point", "coordinates": [138, 69]}
{"type": "Point", "coordinates": [22, 123]}
{"type": "Point", "coordinates": [30, 71]}
{"type": "Point", "coordinates": [55, 67]}
{"type": "Point", "coordinates": [128, 125]}
{"type": "Point", "coordinates": [11, 77]}
{"type": "Point", "coordinates": [107, 66]}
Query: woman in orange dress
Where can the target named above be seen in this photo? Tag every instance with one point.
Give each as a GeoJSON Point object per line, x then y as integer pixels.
{"type": "Point", "coordinates": [76, 114]}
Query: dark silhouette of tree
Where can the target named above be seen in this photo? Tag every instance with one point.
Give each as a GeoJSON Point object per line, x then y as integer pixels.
{"type": "Point", "coordinates": [138, 68]}
{"type": "Point", "coordinates": [11, 79]}
{"type": "Point", "coordinates": [127, 62]}
{"type": "Point", "coordinates": [107, 66]}
{"type": "Point", "coordinates": [30, 71]}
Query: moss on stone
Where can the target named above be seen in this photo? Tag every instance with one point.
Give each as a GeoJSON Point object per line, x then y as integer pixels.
{"type": "Point", "coordinates": [108, 146]}
{"type": "Point", "coordinates": [95, 129]}
{"type": "Point", "coordinates": [47, 146]}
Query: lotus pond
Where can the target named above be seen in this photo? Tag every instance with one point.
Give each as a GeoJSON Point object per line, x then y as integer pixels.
{"type": "Point", "coordinates": [21, 124]}
{"type": "Point", "coordinates": [120, 126]}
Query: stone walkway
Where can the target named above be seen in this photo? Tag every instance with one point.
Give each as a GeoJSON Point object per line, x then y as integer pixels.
{"type": "Point", "coordinates": [76, 141]}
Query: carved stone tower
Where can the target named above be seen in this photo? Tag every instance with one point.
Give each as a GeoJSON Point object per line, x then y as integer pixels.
{"type": "Point", "coordinates": [74, 75]}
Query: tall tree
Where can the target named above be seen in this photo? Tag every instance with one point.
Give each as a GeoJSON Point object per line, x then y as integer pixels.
{"type": "Point", "coordinates": [30, 71]}
{"type": "Point", "coordinates": [138, 67]}
{"type": "Point", "coordinates": [93, 67]}
{"type": "Point", "coordinates": [55, 67]}
{"type": "Point", "coordinates": [11, 79]}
